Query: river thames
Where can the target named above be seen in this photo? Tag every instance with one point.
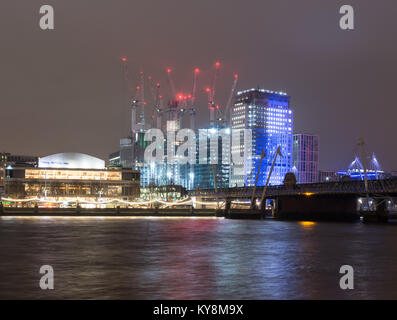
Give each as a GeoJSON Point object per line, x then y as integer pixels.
{"type": "Point", "coordinates": [195, 258]}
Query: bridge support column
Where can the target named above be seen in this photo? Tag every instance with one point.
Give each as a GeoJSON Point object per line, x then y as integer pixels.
{"type": "Point", "coordinates": [199, 205]}
{"type": "Point", "coordinates": [316, 207]}
{"type": "Point", "coordinates": [380, 215]}
{"type": "Point", "coordinates": [228, 205]}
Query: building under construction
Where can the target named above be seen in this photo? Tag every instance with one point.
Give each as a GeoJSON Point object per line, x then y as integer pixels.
{"type": "Point", "coordinates": [168, 119]}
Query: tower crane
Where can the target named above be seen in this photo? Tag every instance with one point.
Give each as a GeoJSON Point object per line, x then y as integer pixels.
{"type": "Point", "coordinates": [133, 97]}
{"type": "Point", "coordinates": [211, 94]}
{"type": "Point", "coordinates": [193, 100]}
{"type": "Point", "coordinates": [142, 100]}
{"type": "Point", "coordinates": [230, 99]}
{"type": "Point", "coordinates": [157, 101]}
{"type": "Point", "coordinates": [171, 83]}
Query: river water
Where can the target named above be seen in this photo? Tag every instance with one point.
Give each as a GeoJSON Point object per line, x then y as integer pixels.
{"type": "Point", "coordinates": [195, 258]}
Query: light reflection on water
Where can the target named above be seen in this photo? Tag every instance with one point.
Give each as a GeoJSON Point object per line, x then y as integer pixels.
{"type": "Point", "coordinates": [185, 258]}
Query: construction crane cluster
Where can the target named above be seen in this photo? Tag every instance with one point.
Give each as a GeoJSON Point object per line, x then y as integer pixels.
{"type": "Point", "coordinates": [179, 104]}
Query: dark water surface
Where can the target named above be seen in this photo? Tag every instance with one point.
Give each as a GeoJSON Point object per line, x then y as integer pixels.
{"type": "Point", "coordinates": [202, 258]}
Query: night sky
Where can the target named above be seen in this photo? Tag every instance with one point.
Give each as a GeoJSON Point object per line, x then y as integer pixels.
{"type": "Point", "coordinates": [63, 90]}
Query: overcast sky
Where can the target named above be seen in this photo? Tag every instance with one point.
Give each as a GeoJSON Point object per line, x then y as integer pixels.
{"type": "Point", "coordinates": [62, 90]}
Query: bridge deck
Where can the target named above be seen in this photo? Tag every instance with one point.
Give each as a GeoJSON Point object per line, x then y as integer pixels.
{"type": "Point", "coordinates": [386, 187]}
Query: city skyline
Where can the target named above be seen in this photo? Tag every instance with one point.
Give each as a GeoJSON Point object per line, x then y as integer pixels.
{"type": "Point", "coordinates": [198, 155]}
{"type": "Point", "coordinates": [78, 95]}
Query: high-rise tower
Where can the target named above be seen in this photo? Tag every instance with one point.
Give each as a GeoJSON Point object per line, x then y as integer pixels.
{"type": "Point", "coordinates": [269, 117]}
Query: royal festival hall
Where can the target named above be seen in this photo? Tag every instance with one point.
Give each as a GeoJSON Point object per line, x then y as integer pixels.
{"type": "Point", "coordinates": [64, 179]}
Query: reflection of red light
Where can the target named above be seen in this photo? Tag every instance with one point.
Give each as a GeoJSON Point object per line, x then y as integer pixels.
{"type": "Point", "coordinates": [124, 59]}
{"type": "Point", "coordinates": [189, 96]}
{"type": "Point", "coordinates": [141, 73]}
{"type": "Point", "coordinates": [217, 106]}
{"type": "Point", "coordinates": [149, 78]}
{"type": "Point", "coordinates": [161, 97]}
{"type": "Point", "coordinates": [144, 102]}
{"type": "Point", "coordinates": [158, 84]}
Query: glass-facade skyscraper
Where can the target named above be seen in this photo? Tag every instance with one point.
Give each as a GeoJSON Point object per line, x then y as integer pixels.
{"type": "Point", "coordinates": [306, 158]}
{"type": "Point", "coordinates": [269, 118]}
{"type": "Point", "coordinates": [213, 162]}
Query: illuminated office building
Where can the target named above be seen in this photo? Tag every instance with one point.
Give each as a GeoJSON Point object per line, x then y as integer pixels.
{"type": "Point", "coordinates": [306, 157]}
{"type": "Point", "coordinates": [269, 117]}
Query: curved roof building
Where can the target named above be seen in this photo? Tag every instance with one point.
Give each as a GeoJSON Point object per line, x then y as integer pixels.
{"type": "Point", "coordinates": [71, 160]}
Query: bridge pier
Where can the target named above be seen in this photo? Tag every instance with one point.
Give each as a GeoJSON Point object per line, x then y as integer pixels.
{"type": "Point", "coordinates": [198, 205]}
{"type": "Point", "coordinates": [316, 207]}
{"type": "Point", "coordinates": [380, 214]}
{"type": "Point", "coordinates": [228, 205]}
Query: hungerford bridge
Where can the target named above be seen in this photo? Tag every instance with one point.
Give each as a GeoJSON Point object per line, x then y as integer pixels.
{"type": "Point", "coordinates": [340, 200]}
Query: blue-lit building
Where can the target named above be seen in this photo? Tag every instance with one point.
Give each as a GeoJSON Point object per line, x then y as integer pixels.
{"type": "Point", "coordinates": [270, 119]}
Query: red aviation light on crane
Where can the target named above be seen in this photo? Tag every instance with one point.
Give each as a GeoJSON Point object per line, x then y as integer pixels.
{"type": "Point", "coordinates": [180, 97]}
{"type": "Point", "coordinates": [217, 64]}
{"type": "Point", "coordinates": [169, 70]}
{"type": "Point", "coordinates": [235, 76]}
{"type": "Point", "coordinates": [207, 90]}
{"type": "Point", "coordinates": [138, 87]}
{"type": "Point", "coordinates": [197, 70]}
{"type": "Point", "coordinates": [217, 106]}
{"type": "Point", "coordinates": [124, 59]}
